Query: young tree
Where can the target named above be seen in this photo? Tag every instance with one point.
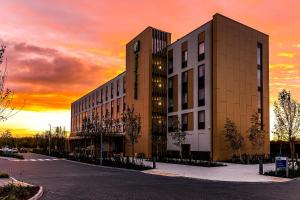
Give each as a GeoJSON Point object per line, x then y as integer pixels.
{"type": "Point", "coordinates": [287, 116]}
{"type": "Point", "coordinates": [178, 136]}
{"type": "Point", "coordinates": [7, 138]}
{"type": "Point", "coordinates": [108, 123]}
{"type": "Point", "coordinates": [233, 137]}
{"type": "Point", "coordinates": [256, 134]}
{"type": "Point", "coordinates": [132, 126]}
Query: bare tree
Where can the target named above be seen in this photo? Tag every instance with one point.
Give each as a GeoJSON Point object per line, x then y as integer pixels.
{"type": "Point", "coordinates": [233, 137]}
{"type": "Point", "coordinates": [178, 136]}
{"type": "Point", "coordinates": [256, 133]}
{"type": "Point", "coordinates": [132, 126]}
{"type": "Point", "coordinates": [6, 95]}
{"type": "Point", "coordinates": [287, 116]}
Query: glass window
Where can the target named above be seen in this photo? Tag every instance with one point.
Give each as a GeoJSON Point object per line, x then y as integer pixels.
{"type": "Point", "coordinates": [201, 71]}
{"type": "Point", "coordinates": [184, 98]}
{"type": "Point", "coordinates": [184, 122]}
{"type": "Point", "coordinates": [170, 124]}
{"type": "Point", "coordinates": [259, 78]}
{"type": "Point", "coordinates": [170, 84]}
{"type": "Point", "coordinates": [201, 93]}
{"type": "Point", "coordinates": [259, 100]}
{"type": "Point", "coordinates": [201, 48]}
{"type": "Point", "coordinates": [184, 58]}
{"type": "Point", "coordinates": [184, 77]}
{"type": "Point", "coordinates": [201, 53]}
{"type": "Point", "coordinates": [201, 119]}
{"type": "Point", "coordinates": [259, 54]}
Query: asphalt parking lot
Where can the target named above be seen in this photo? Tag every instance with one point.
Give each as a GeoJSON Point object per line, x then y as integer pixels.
{"type": "Point", "coordinates": [64, 179]}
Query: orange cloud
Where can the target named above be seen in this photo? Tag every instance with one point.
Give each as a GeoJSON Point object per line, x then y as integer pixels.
{"type": "Point", "coordinates": [287, 54]}
{"type": "Point", "coordinates": [58, 52]}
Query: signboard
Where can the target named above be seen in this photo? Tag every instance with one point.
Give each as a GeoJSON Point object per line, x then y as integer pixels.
{"type": "Point", "coordinates": [282, 163]}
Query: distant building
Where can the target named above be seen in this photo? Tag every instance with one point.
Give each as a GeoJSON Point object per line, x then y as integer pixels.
{"type": "Point", "coordinates": [220, 70]}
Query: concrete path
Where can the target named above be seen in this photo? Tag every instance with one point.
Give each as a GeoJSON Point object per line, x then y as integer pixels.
{"type": "Point", "coordinates": [231, 172]}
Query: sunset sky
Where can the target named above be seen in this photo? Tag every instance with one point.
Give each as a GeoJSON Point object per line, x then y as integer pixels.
{"type": "Point", "coordinates": [60, 50]}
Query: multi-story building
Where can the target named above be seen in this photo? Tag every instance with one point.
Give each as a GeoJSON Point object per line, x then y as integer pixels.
{"type": "Point", "coordinates": [218, 71]}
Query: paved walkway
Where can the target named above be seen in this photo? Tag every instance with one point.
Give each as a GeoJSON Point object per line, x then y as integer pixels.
{"type": "Point", "coordinates": [231, 172]}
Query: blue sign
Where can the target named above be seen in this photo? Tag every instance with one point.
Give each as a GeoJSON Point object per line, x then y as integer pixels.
{"type": "Point", "coordinates": [281, 163]}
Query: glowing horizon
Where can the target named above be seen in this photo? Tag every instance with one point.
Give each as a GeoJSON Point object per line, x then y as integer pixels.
{"type": "Point", "coordinates": [59, 52]}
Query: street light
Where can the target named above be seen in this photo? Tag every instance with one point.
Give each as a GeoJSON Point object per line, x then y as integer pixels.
{"type": "Point", "coordinates": [100, 130]}
{"type": "Point", "coordinates": [49, 139]}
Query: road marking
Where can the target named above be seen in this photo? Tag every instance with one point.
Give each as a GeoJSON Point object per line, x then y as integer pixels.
{"type": "Point", "coordinates": [36, 160]}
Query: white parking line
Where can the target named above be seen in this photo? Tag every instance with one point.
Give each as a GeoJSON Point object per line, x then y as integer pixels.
{"type": "Point", "coordinates": [36, 160]}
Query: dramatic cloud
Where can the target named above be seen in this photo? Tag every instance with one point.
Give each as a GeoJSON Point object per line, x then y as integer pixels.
{"type": "Point", "coordinates": [59, 51]}
{"type": "Point", "coordinates": [48, 79]}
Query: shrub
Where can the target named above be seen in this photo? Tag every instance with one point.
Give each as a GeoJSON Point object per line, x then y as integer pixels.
{"type": "Point", "coordinates": [12, 155]}
{"type": "Point", "coordinates": [201, 163]}
{"type": "Point", "coordinates": [4, 175]}
{"type": "Point", "coordinates": [282, 173]}
{"type": "Point", "coordinates": [250, 159]}
{"type": "Point", "coordinates": [16, 192]}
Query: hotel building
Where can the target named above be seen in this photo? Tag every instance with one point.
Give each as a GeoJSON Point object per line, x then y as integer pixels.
{"type": "Point", "coordinates": [220, 70]}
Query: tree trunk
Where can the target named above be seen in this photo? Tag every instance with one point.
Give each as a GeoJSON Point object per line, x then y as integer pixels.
{"type": "Point", "coordinates": [280, 148]}
{"type": "Point", "coordinates": [292, 156]}
{"type": "Point", "coordinates": [132, 152]}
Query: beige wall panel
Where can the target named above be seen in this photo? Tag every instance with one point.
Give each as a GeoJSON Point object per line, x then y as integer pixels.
{"type": "Point", "coordinates": [235, 81]}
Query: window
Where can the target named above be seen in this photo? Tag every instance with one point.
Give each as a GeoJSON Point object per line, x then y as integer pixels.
{"type": "Point", "coordinates": [106, 93]}
{"type": "Point", "coordinates": [124, 85]}
{"type": "Point", "coordinates": [201, 54]}
{"type": "Point", "coordinates": [201, 97]}
{"type": "Point", "coordinates": [101, 96]}
{"type": "Point", "coordinates": [259, 77]}
{"type": "Point", "coordinates": [184, 89]}
{"type": "Point", "coordinates": [170, 61]}
{"type": "Point", "coordinates": [184, 77]}
{"type": "Point", "coordinates": [170, 124]}
{"type": "Point", "coordinates": [184, 58]}
{"type": "Point", "coordinates": [124, 104]}
{"type": "Point", "coordinates": [112, 108]}
{"type": "Point", "coordinates": [184, 122]}
{"type": "Point", "coordinates": [259, 57]}
{"type": "Point", "coordinates": [170, 83]}
{"type": "Point", "coordinates": [201, 85]}
{"type": "Point", "coordinates": [259, 101]}
{"type": "Point", "coordinates": [201, 119]}
{"type": "Point", "coordinates": [112, 90]}
{"type": "Point", "coordinates": [118, 83]}
{"type": "Point", "coordinates": [170, 94]}
{"type": "Point", "coordinates": [259, 82]}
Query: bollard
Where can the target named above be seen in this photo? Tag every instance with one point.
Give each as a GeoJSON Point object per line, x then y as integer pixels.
{"type": "Point", "coordinates": [154, 163]}
{"type": "Point", "coordinates": [261, 168]}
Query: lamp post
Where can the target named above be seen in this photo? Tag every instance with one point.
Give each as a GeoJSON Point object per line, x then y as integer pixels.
{"type": "Point", "coordinates": [101, 156]}
{"type": "Point", "coordinates": [101, 131]}
{"type": "Point", "coordinates": [49, 139]}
